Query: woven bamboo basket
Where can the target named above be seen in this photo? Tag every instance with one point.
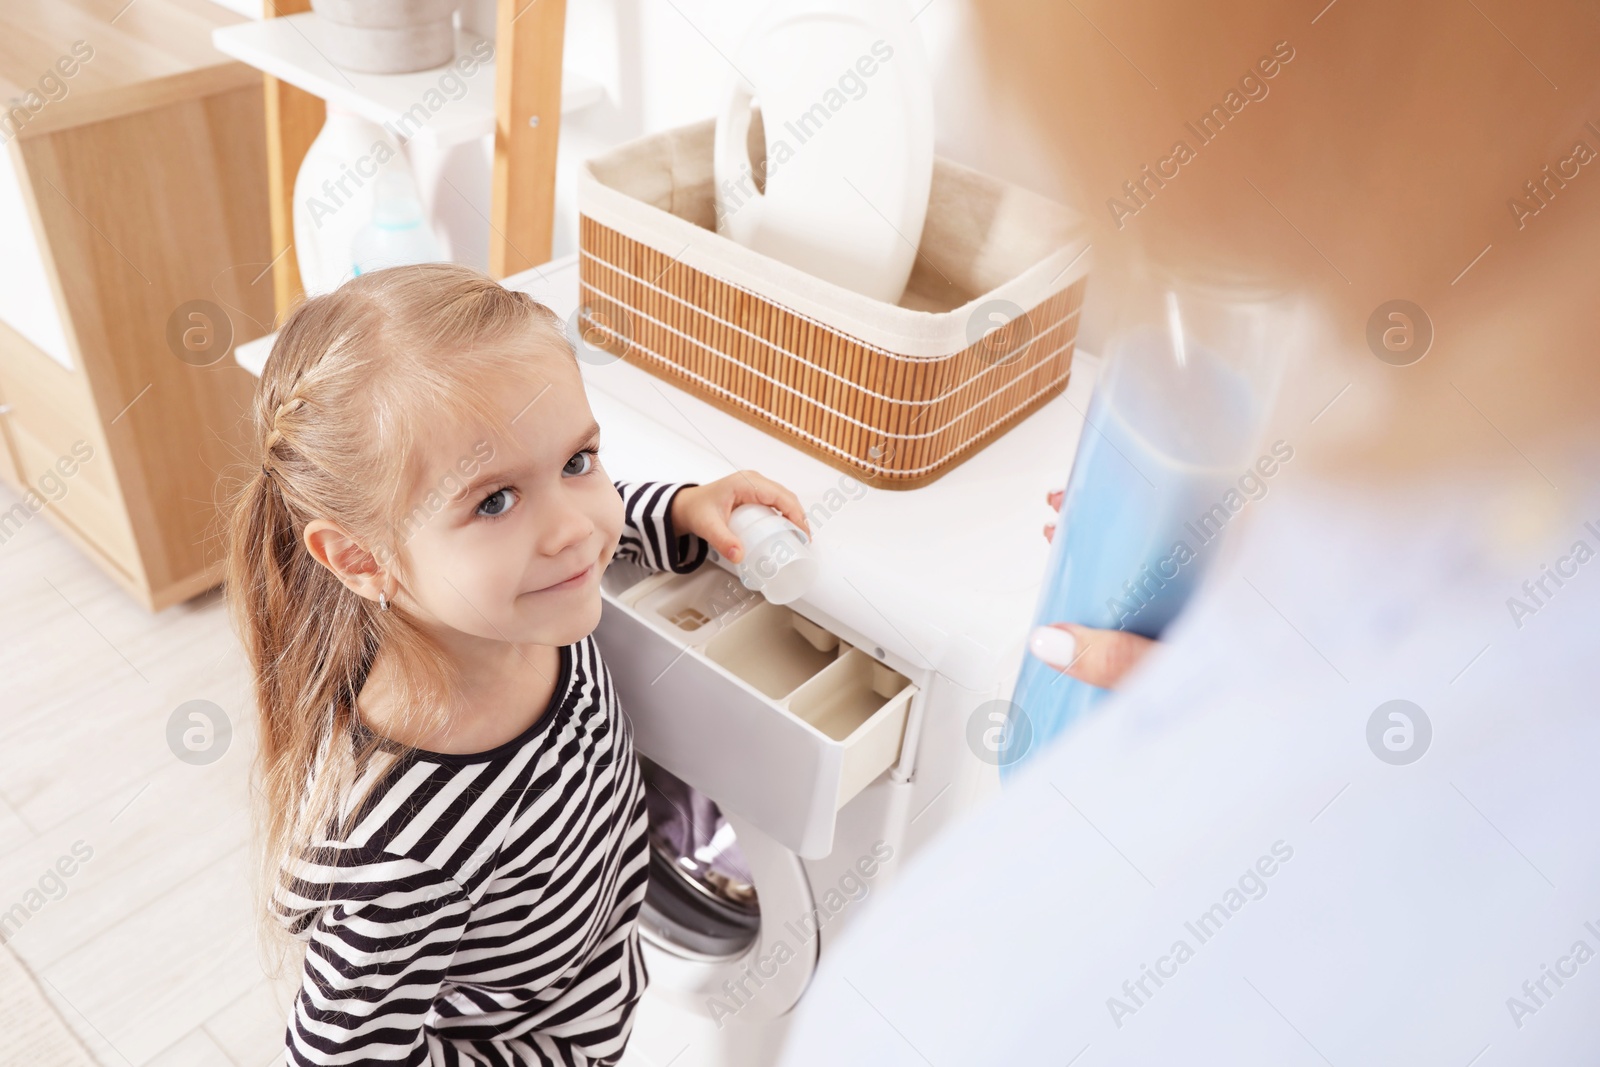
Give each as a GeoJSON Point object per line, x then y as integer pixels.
{"type": "Point", "coordinates": [894, 394]}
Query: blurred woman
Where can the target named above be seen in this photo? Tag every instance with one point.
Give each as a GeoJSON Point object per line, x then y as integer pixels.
{"type": "Point", "coordinates": [1344, 812]}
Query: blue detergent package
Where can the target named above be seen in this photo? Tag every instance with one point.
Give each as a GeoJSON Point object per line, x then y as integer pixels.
{"type": "Point", "coordinates": [1188, 378]}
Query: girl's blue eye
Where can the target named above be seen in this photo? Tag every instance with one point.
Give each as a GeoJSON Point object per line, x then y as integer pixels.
{"type": "Point", "coordinates": [502, 500]}
{"type": "Point", "coordinates": [580, 463]}
{"type": "Point", "coordinates": [497, 503]}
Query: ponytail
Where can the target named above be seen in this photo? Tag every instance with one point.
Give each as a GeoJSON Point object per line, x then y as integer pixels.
{"type": "Point", "coordinates": [351, 376]}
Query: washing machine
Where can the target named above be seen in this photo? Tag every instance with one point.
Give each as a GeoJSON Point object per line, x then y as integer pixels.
{"type": "Point", "coordinates": [797, 755]}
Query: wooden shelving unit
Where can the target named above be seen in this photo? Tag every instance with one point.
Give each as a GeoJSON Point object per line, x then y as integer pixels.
{"type": "Point", "coordinates": [521, 101]}
{"type": "Point", "coordinates": [143, 188]}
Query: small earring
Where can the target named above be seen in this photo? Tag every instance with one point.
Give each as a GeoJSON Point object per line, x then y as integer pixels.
{"type": "Point", "coordinates": [383, 602]}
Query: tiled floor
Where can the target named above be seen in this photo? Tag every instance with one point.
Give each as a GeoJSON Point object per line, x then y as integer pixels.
{"type": "Point", "coordinates": [150, 952]}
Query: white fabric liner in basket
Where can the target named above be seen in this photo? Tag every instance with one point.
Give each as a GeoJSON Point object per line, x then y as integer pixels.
{"type": "Point", "coordinates": [990, 240]}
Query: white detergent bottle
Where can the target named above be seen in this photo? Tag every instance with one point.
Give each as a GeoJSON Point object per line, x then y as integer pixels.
{"type": "Point", "coordinates": [397, 234]}
{"type": "Point", "coordinates": [334, 193]}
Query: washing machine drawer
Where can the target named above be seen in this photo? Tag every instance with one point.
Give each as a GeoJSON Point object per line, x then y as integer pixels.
{"type": "Point", "coordinates": [768, 714]}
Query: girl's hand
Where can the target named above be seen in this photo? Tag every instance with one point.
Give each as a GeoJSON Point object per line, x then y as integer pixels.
{"type": "Point", "coordinates": [704, 509]}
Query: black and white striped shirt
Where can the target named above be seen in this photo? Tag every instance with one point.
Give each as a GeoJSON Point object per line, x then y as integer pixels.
{"type": "Point", "coordinates": [483, 909]}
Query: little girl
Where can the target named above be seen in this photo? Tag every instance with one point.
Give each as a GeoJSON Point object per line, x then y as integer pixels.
{"type": "Point", "coordinates": [453, 817]}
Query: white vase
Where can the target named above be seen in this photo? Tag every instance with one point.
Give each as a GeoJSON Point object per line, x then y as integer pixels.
{"type": "Point", "coordinates": [387, 36]}
{"type": "Point", "coordinates": [334, 195]}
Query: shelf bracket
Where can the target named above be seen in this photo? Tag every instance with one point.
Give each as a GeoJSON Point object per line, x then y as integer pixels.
{"type": "Point", "coordinates": [527, 103]}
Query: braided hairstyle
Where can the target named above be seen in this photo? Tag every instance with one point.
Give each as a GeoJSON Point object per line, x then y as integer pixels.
{"type": "Point", "coordinates": [354, 380]}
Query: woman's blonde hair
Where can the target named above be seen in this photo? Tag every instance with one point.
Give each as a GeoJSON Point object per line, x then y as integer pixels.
{"type": "Point", "coordinates": [356, 381]}
{"type": "Point", "coordinates": [1370, 152]}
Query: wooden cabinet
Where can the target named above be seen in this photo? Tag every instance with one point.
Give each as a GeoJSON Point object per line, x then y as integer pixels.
{"type": "Point", "coordinates": [144, 186]}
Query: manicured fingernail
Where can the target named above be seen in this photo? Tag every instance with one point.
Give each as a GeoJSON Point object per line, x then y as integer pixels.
{"type": "Point", "coordinates": [1049, 531]}
{"type": "Point", "coordinates": [1053, 645]}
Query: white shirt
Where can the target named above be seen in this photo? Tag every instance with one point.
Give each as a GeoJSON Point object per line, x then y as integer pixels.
{"type": "Point", "coordinates": [1406, 905]}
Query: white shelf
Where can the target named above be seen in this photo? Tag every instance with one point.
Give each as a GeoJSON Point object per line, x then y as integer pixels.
{"type": "Point", "coordinates": [290, 49]}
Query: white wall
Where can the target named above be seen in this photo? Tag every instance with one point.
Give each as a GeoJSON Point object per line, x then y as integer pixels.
{"type": "Point", "coordinates": [27, 303]}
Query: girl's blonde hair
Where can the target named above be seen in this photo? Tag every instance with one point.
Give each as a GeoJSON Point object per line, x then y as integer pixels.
{"type": "Point", "coordinates": [356, 380]}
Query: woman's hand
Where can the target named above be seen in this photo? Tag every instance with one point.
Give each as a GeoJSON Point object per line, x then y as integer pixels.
{"type": "Point", "coordinates": [704, 509]}
{"type": "Point", "coordinates": [1099, 657]}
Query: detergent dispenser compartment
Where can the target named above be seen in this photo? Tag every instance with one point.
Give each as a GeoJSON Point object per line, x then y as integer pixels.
{"type": "Point", "coordinates": [770, 714]}
{"type": "Point", "coordinates": [697, 606]}
{"type": "Point", "coordinates": [774, 649]}
{"type": "Point", "coordinates": [624, 576]}
{"type": "Point", "coordinates": [858, 702]}
{"type": "Point", "coordinates": [844, 695]}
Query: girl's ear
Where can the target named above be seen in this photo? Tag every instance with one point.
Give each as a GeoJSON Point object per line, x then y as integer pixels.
{"type": "Point", "coordinates": [352, 564]}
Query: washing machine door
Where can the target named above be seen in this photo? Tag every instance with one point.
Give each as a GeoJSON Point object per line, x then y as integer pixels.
{"type": "Point", "coordinates": [729, 912]}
